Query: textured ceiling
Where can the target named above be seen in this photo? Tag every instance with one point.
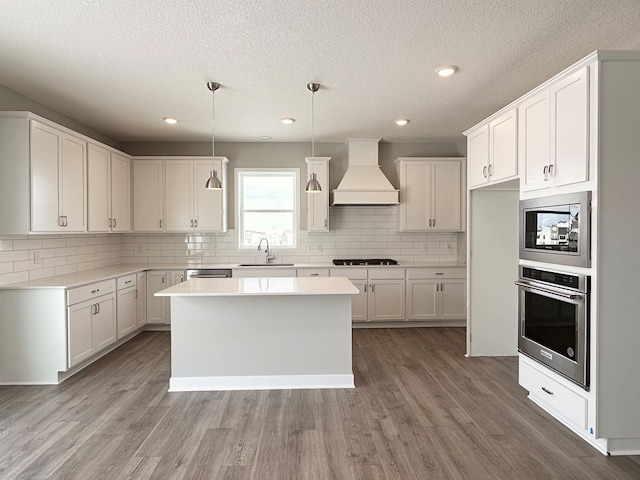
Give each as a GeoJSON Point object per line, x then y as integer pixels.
{"type": "Point", "coordinates": [119, 66]}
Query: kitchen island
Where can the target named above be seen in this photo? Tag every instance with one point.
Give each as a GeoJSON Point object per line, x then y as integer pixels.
{"type": "Point", "coordinates": [261, 333]}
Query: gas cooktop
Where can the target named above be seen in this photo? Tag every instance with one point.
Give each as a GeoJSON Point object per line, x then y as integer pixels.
{"type": "Point", "coordinates": [364, 261]}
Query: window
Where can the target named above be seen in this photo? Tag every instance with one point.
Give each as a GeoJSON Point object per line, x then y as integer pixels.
{"type": "Point", "coordinates": [267, 204]}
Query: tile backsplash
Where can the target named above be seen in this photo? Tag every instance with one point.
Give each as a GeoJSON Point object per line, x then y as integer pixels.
{"type": "Point", "coordinates": [356, 232]}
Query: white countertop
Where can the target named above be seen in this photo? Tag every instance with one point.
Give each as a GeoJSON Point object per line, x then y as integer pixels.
{"type": "Point", "coordinates": [86, 277]}
{"type": "Point", "coordinates": [285, 286]}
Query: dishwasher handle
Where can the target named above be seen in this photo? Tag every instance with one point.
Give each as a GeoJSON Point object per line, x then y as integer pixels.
{"type": "Point", "coordinates": [209, 275]}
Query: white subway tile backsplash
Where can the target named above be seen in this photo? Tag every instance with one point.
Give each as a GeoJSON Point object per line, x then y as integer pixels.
{"type": "Point", "coordinates": [355, 232]}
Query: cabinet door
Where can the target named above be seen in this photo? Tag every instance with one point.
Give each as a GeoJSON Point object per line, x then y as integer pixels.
{"type": "Point", "coordinates": [570, 127]}
{"type": "Point", "coordinates": [453, 299]}
{"type": "Point", "coordinates": [533, 141]}
{"type": "Point", "coordinates": [478, 155]}
{"type": "Point", "coordinates": [318, 202]}
{"type": "Point", "coordinates": [503, 147]}
{"type": "Point", "coordinates": [415, 193]}
{"type": "Point", "coordinates": [141, 299]}
{"type": "Point", "coordinates": [148, 195]}
{"type": "Point", "coordinates": [99, 188]}
{"type": "Point", "coordinates": [46, 147]}
{"type": "Point", "coordinates": [126, 311]}
{"type": "Point", "coordinates": [73, 184]}
{"type": "Point", "coordinates": [422, 299]}
{"type": "Point", "coordinates": [120, 193]}
{"type": "Point", "coordinates": [386, 300]}
{"type": "Point", "coordinates": [179, 195]}
{"type": "Point", "coordinates": [79, 337]}
{"type": "Point", "coordinates": [156, 306]}
{"type": "Point", "coordinates": [175, 277]}
{"type": "Point", "coordinates": [103, 323]}
{"type": "Point", "coordinates": [207, 203]}
{"type": "Point", "coordinates": [359, 303]}
{"type": "Point", "coordinates": [446, 196]}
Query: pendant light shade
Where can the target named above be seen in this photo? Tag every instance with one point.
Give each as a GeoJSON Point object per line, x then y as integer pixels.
{"type": "Point", "coordinates": [313, 186]}
{"type": "Point", "coordinates": [213, 183]}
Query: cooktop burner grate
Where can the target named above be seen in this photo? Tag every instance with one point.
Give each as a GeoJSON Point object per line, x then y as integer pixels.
{"type": "Point", "coordinates": [364, 261]}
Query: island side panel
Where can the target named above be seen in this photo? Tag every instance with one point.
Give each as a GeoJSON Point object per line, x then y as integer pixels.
{"type": "Point", "coordinates": [260, 342]}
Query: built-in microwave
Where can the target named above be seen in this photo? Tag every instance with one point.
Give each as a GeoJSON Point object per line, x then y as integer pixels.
{"type": "Point", "coordinates": [556, 229]}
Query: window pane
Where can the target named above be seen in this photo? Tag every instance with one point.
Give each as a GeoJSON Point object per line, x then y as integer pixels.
{"type": "Point", "coordinates": [276, 227]}
{"type": "Point", "coordinates": [268, 192]}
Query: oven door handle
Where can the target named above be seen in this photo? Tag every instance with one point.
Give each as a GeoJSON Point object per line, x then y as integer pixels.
{"type": "Point", "coordinates": [551, 292]}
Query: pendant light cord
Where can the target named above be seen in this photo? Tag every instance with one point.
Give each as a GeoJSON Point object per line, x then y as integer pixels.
{"type": "Point", "coordinates": [313, 130]}
{"type": "Point", "coordinates": [213, 125]}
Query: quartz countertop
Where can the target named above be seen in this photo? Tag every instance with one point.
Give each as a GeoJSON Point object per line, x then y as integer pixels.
{"type": "Point", "coordinates": [71, 280]}
{"type": "Point", "coordinates": [284, 286]}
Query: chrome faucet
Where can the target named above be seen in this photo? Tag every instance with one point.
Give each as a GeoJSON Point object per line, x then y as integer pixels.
{"type": "Point", "coordinates": [269, 256]}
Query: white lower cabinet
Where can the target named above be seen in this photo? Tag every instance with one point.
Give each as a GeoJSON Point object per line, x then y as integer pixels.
{"type": "Point", "coordinates": [359, 303]}
{"type": "Point", "coordinates": [141, 299]}
{"type": "Point", "coordinates": [158, 308]}
{"type": "Point", "coordinates": [126, 305]}
{"type": "Point", "coordinates": [91, 320]}
{"type": "Point", "coordinates": [436, 294]}
{"type": "Point", "coordinates": [386, 295]}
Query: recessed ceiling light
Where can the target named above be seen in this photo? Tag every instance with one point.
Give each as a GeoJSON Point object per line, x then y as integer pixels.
{"type": "Point", "coordinates": [446, 70]}
{"type": "Point", "coordinates": [287, 121]}
{"type": "Point", "coordinates": [401, 121]}
{"type": "Point", "coordinates": [170, 120]}
{"type": "Point", "coordinates": [264, 137]}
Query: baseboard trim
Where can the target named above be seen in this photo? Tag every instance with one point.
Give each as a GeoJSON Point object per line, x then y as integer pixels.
{"type": "Point", "coordinates": [259, 382]}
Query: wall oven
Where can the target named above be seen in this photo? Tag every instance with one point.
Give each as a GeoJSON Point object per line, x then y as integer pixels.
{"type": "Point", "coordinates": [557, 229]}
{"type": "Point", "coordinates": [553, 325]}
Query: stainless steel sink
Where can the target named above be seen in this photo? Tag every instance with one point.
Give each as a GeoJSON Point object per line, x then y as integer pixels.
{"type": "Point", "coordinates": [266, 265]}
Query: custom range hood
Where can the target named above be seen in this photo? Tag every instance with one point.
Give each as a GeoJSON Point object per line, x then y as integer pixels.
{"type": "Point", "coordinates": [364, 183]}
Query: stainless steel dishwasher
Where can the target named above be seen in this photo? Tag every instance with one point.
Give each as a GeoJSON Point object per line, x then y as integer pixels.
{"type": "Point", "coordinates": [209, 273]}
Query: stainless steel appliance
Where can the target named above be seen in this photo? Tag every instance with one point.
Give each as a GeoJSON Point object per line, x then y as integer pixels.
{"type": "Point", "coordinates": [364, 261]}
{"type": "Point", "coordinates": [557, 229]}
{"type": "Point", "coordinates": [208, 273]}
{"type": "Point", "coordinates": [553, 325]}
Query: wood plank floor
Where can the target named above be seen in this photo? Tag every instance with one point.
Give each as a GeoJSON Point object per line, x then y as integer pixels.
{"type": "Point", "coordinates": [421, 410]}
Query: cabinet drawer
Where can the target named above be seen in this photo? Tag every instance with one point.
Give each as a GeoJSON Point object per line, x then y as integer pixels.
{"type": "Point", "coordinates": [126, 281]}
{"type": "Point", "coordinates": [313, 272]}
{"type": "Point", "coordinates": [384, 273]}
{"type": "Point", "coordinates": [350, 273]}
{"type": "Point", "coordinates": [88, 292]}
{"type": "Point", "coordinates": [552, 393]}
{"type": "Point", "coordinates": [428, 273]}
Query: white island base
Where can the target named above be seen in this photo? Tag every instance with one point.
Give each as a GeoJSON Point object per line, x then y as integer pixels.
{"type": "Point", "coordinates": [261, 333]}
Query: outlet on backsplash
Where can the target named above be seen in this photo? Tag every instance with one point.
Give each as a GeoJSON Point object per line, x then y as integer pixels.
{"type": "Point", "coordinates": [36, 257]}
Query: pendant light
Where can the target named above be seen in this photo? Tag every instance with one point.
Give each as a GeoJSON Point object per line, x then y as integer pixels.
{"type": "Point", "coordinates": [313, 186]}
{"type": "Point", "coordinates": [213, 183]}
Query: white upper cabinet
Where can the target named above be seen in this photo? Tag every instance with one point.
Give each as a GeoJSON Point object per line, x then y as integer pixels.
{"type": "Point", "coordinates": [430, 194]}
{"type": "Point", "coordinates": [148, 195]}
{"type": "Point", "coordinates": [493, 150]}
{"type": "Point", "coordinates": [554, 133]}
{"type": "Point", "coordinates": [109, 191]}
{"type": "Point", "coordinates": [318, 202]}
{"type": "Point", "coordinates": [58, 172]}
{"type": "Point", "coordinates": [189, 206]}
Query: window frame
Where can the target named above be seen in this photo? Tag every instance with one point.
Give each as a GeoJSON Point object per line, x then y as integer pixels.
{"type": "Point", "coordinates": [240, 210]}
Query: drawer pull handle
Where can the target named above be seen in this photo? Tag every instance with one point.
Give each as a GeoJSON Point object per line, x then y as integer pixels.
{"type": "Point", "coordinates": [95, 291]}
{"type": "Point", "coordinates": [547, 391]}
{"type": "Point", "coordinates": [314, 275]}
{"type": "Point", "coordinates": [439, 273]}
{"type": "Point", "coordinates": [128, 281]}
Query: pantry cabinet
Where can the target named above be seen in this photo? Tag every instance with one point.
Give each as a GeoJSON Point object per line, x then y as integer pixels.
{"type": "Point", "coordinates": [492, 150]}
{"type": "Point", "coordinates": [109, 190]}
{"type": "Point", "coordinates": [318, 202]}
{"type": "Point", "coordinates": [430, 194]}
{"type": "Point", "coordinates": [189, 205]}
